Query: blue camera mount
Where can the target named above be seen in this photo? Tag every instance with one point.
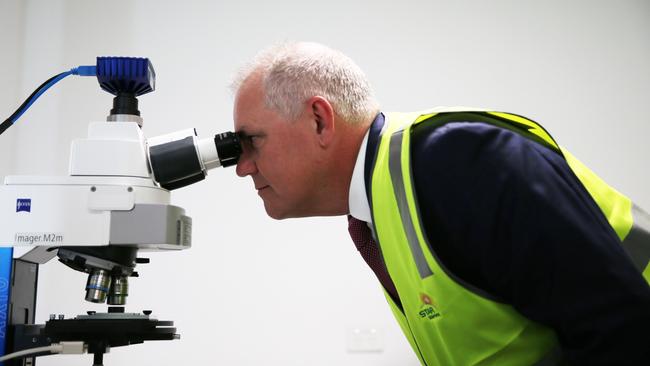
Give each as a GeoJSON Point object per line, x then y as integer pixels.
{"type": "Point", "coordinates": [126, 78]}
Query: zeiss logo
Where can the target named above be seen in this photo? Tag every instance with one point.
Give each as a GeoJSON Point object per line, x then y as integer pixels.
{"type": "Point", "coordinates": [24, 204]}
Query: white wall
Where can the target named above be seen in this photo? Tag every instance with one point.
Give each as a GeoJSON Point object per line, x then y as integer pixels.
{"type": "Point", "coordinates": [12, 42]}
{"type": "Point", "coordinates": [256, 291]}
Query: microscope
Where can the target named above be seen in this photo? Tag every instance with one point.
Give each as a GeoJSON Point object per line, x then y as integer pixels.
{"type": "Point", "coordinates": [112, 207]}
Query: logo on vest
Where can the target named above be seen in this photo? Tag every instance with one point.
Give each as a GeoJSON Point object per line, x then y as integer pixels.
{"type": "Point", "coordinates": [428, 307]}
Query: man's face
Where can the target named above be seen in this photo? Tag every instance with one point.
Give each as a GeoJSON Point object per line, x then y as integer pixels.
{"type": "Point", "coordinates": [281, 156]}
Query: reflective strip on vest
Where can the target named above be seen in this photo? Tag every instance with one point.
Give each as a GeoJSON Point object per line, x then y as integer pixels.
{"type": "Point", "coordinates": [637, 242]}
{"type": "Point", "coordinates": [395, 168]}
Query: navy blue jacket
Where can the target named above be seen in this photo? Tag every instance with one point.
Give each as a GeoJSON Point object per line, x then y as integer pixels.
{"type": "Point", "coordinates": [508, 218]}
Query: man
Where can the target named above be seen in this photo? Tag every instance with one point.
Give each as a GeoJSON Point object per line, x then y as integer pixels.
{"type": "Point", "coordinates": [494, 245]}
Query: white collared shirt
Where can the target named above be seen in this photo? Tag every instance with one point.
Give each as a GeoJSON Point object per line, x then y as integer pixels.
{"type": "Point", "coordinates": [358, 199]}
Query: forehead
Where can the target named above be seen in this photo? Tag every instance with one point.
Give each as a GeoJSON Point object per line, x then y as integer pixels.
{"type": "Point", "coordinates": [249, 107]}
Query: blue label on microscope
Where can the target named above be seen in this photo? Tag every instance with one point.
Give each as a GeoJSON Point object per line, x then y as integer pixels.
{"type": "Point", "coordinates": [24, 204]}
{"type": "Point", "coordinates": [6, 258]}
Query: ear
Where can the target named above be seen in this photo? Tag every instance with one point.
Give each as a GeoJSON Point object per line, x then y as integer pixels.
{"type": "Point", "coordinates": [323, 119]}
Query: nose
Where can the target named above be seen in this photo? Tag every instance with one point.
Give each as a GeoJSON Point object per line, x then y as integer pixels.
{"type": "Point", "coordinates": [246, 165]}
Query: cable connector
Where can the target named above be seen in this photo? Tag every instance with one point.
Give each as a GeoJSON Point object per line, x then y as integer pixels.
{"type": "Point", "coordinates": [84, 70]}
{"type": "Point", "coordinates": [72, 348]}
{"type": "Point", "coordinates": [68, 348]}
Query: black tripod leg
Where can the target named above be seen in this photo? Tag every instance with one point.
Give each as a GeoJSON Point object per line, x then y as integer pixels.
{"type": "Point", "coordinates": [98, 359]}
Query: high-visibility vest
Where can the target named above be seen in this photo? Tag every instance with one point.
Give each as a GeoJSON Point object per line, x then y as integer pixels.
{"type": "Point", "coordinates": [445, 322]}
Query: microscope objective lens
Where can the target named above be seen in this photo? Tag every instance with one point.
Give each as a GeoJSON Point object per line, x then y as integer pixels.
{"type": "Point", "coordinates": [98, 284]}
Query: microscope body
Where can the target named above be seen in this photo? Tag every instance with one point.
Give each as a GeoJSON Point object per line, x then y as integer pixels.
{"type": "Point", "coordinates": [113, 205]}
{"type": "Point", "coordinates": [97, 220]}
{"type": "Point", "coordinates": [108, 198]}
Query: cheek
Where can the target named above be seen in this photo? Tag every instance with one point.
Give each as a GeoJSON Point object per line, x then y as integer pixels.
{"type": "Point", "coordinates": [287, 167]}
{"type": "Point", "coordinates": [288, 176]}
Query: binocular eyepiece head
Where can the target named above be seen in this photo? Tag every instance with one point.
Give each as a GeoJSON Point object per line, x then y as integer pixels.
{"type": "Point", "coordinates": [180, 159]}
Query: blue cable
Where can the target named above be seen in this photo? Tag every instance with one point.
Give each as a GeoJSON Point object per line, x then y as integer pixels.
{"type": "Point", "coordinates": [38, 94]}
{"type": "Point", "coordinates": [80, 70]}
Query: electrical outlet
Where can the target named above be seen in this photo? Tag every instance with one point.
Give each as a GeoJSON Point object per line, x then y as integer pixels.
{"type": "Point", "coordinates": [362, 339]}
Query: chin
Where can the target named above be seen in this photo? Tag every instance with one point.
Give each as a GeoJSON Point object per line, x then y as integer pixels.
{"type": "Point", "coordinates": [275, 214]}
{"type": "Point", "coordinates": [286, 214]}
{"type": "Point", "coordinates": [281, 212]}
{"type": "Point", "coordinates": [276, 217]}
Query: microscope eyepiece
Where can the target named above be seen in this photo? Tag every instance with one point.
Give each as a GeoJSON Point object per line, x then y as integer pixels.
{"type": "Point", "coordinates": [180, 159]}
{"type": "Point", "coordinates": [228, 148]}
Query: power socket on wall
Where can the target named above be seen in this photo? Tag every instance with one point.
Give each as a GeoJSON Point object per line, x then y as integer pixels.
{"type": "Point", "coordinates": [364, 340]}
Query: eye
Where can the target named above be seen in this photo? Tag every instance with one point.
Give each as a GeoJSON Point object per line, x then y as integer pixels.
{"type": "Point", "coordinates": [250, 140]}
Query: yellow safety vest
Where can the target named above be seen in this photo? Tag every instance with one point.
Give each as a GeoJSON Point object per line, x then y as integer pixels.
{"type": "Point", "coordinates": [445, 322]}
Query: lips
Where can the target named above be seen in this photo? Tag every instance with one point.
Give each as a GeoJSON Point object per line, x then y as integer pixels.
{"type": "Point", "coordinates": [261, 188]}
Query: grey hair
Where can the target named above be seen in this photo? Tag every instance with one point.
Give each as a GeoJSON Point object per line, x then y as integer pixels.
{"type": "Point", "coordinates": [293, 72]}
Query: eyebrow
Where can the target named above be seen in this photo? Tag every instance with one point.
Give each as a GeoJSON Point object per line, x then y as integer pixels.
{"type": "Point", "coordinates": [244, 131]}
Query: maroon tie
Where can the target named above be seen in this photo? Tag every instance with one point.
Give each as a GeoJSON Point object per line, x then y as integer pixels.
{"type": "Point", "coordinates": [366, 245]}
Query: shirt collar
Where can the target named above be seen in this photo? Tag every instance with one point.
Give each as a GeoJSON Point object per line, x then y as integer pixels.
{"type": "Point", "coordinates": [358, 197]}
